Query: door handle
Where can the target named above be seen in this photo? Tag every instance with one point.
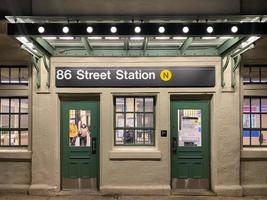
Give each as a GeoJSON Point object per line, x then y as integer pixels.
{"type": "Point", "coordinates": [93, 145]}
{"type": "Point", "coordinates": [174, 145]}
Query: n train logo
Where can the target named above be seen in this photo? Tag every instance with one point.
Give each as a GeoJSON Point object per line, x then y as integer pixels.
{"type": "Point", "coordinates": [165, 75]}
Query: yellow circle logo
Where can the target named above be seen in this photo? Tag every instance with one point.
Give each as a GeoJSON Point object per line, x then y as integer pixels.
{"type": "Point", "coordinates": [165, 75]}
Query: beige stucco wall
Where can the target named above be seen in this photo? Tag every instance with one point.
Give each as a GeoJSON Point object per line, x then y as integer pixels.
{"type": "Point", "coordinates": [144, 170]}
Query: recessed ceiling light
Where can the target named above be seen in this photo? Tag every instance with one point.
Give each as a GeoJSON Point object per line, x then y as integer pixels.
{"type": "Point", "coordinates": [234, 29]}
{"type": "Point", "coordinates": [185, 29]}
{"type": "Point", "coordinates": [112, 38]}
{"type": "Point", "coordinates": [161, 29]}
{"type": "Point", "coordinates": [162, 38]}
{"type": "Point", "coordinates": [65, 29]}
{"type": "Point", "coordinates": [89, 29]}
{"type": "Point", "coordinates": [136, 38]}
{"type": "Point", "coordinates": [137, 29]}
{"type": "Point", "coordinates": [210, 29]}
{"type": "Point", "coordinates": [113, 29]}
{"type": "Point", "coordinates": [179, 38]}
{"type": "Point", "coordinates": [41, 29]}
{"type": "Point", "coordinates": [66, 38]}
{"type": "Point", "coordinates": [94, 38]}
{"type": "Point", "coordinates": [49, 38]}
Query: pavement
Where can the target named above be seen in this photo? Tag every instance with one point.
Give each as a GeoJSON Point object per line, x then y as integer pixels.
{"type": "Point", "coordinates": [99, 197]}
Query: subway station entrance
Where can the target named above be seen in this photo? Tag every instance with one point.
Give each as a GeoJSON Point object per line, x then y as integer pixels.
{"type": "Point", "coordinates": [80, 144]}
{"type": "Point", "coordinates": [190, 145]}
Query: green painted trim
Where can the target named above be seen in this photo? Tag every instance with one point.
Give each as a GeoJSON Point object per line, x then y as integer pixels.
{"type": "Point", "coordinates": [87, 45]}
{"type": "Point", "coordinates": [45, 45]}
{"type": "Point", "coordinates": [230, 46]}
{"type": "Point", "coordinates": [185, 45]}
{"type": "Point", "coordinates": [47, 67]}
{"type": "Point", "coordinates": [38, 73]}
{"type": "Point", "coordinates": [235, 65]}
{"type": "Point", "coordinates": [223, 68]}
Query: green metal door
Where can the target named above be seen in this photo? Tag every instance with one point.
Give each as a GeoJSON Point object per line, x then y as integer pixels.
{"type": "Point", "coordinates": [80, 142]}
{"type": "Point", "coordinates": [190, 144]}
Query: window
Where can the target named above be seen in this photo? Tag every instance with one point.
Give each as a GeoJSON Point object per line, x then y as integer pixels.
{"type": "Point", "coordinates": [14, 75]}
{"type": "Point", "coordinates": [134, 120]}
{"type": "Point", "coordinates": [255, 74]}
{"type": "Point", "coordinates": [255, 121]}
{"type": "Point", "coordinates": [13, 121]}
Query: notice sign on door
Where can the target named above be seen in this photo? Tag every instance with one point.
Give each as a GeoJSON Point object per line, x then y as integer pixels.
{"type": "Point", "coordinates": [135, 77]}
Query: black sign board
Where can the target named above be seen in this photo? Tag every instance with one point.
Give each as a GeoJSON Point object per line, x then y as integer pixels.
{"type": "Point", "coordinates": [135, 76]}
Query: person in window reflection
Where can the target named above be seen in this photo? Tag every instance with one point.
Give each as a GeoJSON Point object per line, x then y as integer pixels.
{"type": "Point", "coordinates": [83, 133]}
{"type": "Point", "coordinates": [129, 137]}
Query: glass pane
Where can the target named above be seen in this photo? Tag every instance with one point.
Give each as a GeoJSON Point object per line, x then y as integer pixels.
{"type": "Point", "coordinates": [14, 108]}
{"type": "Point", "coordinates": [129, 120]}
{"type": "Point", "coordinates": [255, 137]}
{"type": "Point", "coordinates": [264, 121]}
{"type": "Point", "coordinates": [255, 105]}
{"type": "Point", "coordinates": [24, 137]}
{"type": "Point", "coordinates": [4, 75]}
{"type": "Point", "coordinates": [139, 105]}
{"type": "Point", "coordinates": [149, 120]}
{"type": "Point", "coordinates": [245, 137]}
{"type": "Point", "coordinates": [139, 120]}
{"type": "Point", "coordinates": [14, 77]}
{"type": "Point", "coordinates": [189, 127]}
{"type": "Point", "coordinates": [4, 105]}
{"type": "Point", "coordinates": [264, 74]}
{"type": "Point", "coordinates": [119, 104]}
{"type": "Point", "coordinates": [255, 121]}
{"type": "Point", "coordinates": [23, 121]}
{"type": "Point", "coordinates": [264, 137]}
{"type": "Point", "coordinates": [129, 104]}
{"type": "Point", "coordinates": [14, 121]}
{"type": "Point", "coordinates": [264, 105]}
{"type": "Point", "coordinates": [128, 137]}
{"type": "Point", "coordinates": [120, 120]}
{"type": "Point", "coordinates": [139, 137]}
{"type": "Point", "coordinates": [4, 121]}
{"type": "Point", "coordinates": [24, 105]}
{"type": "Point", "coordinates": [144, 137]}
{"type": "Point", "coordinates": [4, 138]}
{"type": "Point", "coordinates": [255, 74]}
{"type": "Point", "coordinates": [14, 138]}
{"type": "Point", "coordinates": [148, 134]}
{"type": "Point", "coordinates": [246, 121]}
{"type": "Point", "coordinates": [79, 128]}
{"type": "Point", "coordinates": [119, 137]}
{"type": "Point", "coordinates": [246, 105]}
{"type": "Point", "coordinates": [149, 104]}
{"type": "Point", "coordinates": [24, 75]}
{"type": "Point", "coordinates": [246, 78]}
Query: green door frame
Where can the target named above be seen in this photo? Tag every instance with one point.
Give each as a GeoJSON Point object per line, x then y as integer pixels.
{"type": "Point", "coordinates": [204, 105]}
{"type": "Point", "coordinates": [97, 131]}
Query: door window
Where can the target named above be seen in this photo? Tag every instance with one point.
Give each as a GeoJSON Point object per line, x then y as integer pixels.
{"type": "Point", "coordinates": [79, 128]}
{"type": "Point", "coordinates": [189, 127]}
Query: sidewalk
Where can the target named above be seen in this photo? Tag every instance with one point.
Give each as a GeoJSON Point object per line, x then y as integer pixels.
{"type": "Point", "coordinates": [98, 197]}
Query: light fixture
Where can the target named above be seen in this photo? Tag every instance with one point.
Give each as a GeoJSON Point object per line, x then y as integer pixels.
{"type": "Point", "coordinates": [65, 29]}
{"type": "Point", "coordinates": [112, 38]}
{"type": "Point", "coordinates": [210, 29]}
{"type": "Point", "coordinates": [41, 29]}
{"type": "Point", "coordinates": [234, 29]}
{"type": "Point", "coordinates": [94, 38]}
{"type": "Point", "coordinates": [162, 38]}
{"type": "Point", "coordinates": [113, 29]}
{"type": "Point", "coordinates": [66, 38]}
{"type": "Point", "coordinates": [136, 38]}
{"type": "Point", "coordinates": [49, 38]}
{"type": "Point", "coordinates": [185, 29]}
{"type": "Point", "coordinates": [89, 29]}
{"type": "Point", "coordinates": [208, 38]}
{"type": "Point", "coordinates": [161, 29]}
{"type": "Point", "coordinates": [179, 38]}
{"type": "Point", "coordinates": [137, 29]}
{"type": "Point", "coordinates": [249, 41]}
{"type": "Point", "coordinates": [226, 37]}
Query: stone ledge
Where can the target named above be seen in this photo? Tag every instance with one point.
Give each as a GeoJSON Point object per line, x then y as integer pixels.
{"type": "Point", "coordinates": [255, 190]}
{"type": "Point", "coordinates": [254, 154]}
{"type": "Point", "coordinates": [14, 188]}
{"type": "Point", "coordinates": [15, 154]}
{"type": "Point", "coordinates": [136, 190]}
{"type": "Point", "coordinates": [43, 190]}
{"type": "Point", "coordinates": [228, 190]}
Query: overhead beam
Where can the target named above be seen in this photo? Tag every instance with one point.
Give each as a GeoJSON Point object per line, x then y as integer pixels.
{"type": "Point", "coordinates": [43, 46]}
{"type": "Point", "coordinates": [147, 29]}
{"type": "Point", "coordinates": [87, 45]}
{"type": "Point", "coordinates": [230, 46]}
{"type": "Point", "coordinates": [185, 45]}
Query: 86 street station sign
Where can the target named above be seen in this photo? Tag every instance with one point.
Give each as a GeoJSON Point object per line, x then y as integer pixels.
{"type": "Point", "coordinates": [135, 76]}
